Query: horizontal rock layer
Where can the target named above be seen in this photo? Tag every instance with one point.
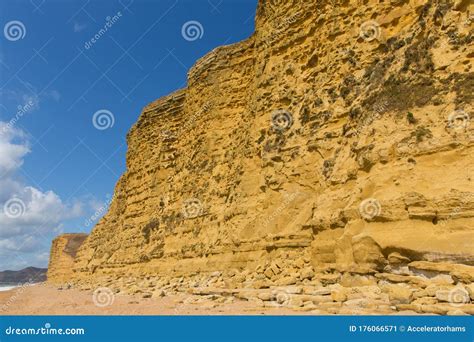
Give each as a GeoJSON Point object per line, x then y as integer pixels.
{"type": "Point", "coordinates": [62, 257]}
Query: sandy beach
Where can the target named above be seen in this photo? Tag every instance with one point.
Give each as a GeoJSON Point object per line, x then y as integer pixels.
{"type": "Point", "coordinates": [46, 299]}
{"type": "Point", "coordinates": [42, 299]}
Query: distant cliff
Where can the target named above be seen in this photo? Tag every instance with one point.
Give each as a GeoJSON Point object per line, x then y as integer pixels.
{"type": "Point", "coordinates": [29, 274]}
{"type": "Point", "coordinates": [61, 259]}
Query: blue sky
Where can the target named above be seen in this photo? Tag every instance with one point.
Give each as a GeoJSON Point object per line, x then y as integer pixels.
{"type": "Point", "coordinates": [57, 169]}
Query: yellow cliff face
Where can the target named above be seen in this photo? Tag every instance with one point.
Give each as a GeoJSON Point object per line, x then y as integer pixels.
{"type": "Point", "coordinates": [335, 142]}
{"type": "Point", "coordinates": [61, 260]}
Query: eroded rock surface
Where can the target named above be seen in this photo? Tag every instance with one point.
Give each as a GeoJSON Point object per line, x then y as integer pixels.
{"type": "Point", "coordinates": [62, 257]}
{"type": "Point", "coordinates": [331, 151]}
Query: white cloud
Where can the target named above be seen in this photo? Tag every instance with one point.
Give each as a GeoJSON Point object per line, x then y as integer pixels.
{"type": "Point", "coordinates": [11, 153]}
{"type": "Point", "coordinates": [20, 244]}
{"type": "Point", "coordinates": [30, 100]}
{"type": "Point", "coordinates": [79, 27]}
{"type": "Point", "coordinates": [55, 95]}
{"type": "Point", "coordinates": [29, 217]}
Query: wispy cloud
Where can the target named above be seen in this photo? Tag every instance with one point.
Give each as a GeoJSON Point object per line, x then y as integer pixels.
{"type": "Point", "coordinates": [55, 95]}
{"type": "Point", "coordinates": [79, 27]}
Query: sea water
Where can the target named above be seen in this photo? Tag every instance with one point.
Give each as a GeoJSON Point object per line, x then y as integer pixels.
{"type": "Point", "coordinates": [6, 287]}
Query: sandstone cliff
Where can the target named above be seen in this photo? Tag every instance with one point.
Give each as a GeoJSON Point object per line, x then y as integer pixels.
{"type": "Point", "coordinates": [332, 146]}
{"type": "Point", "coordinates": [63, 253]}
